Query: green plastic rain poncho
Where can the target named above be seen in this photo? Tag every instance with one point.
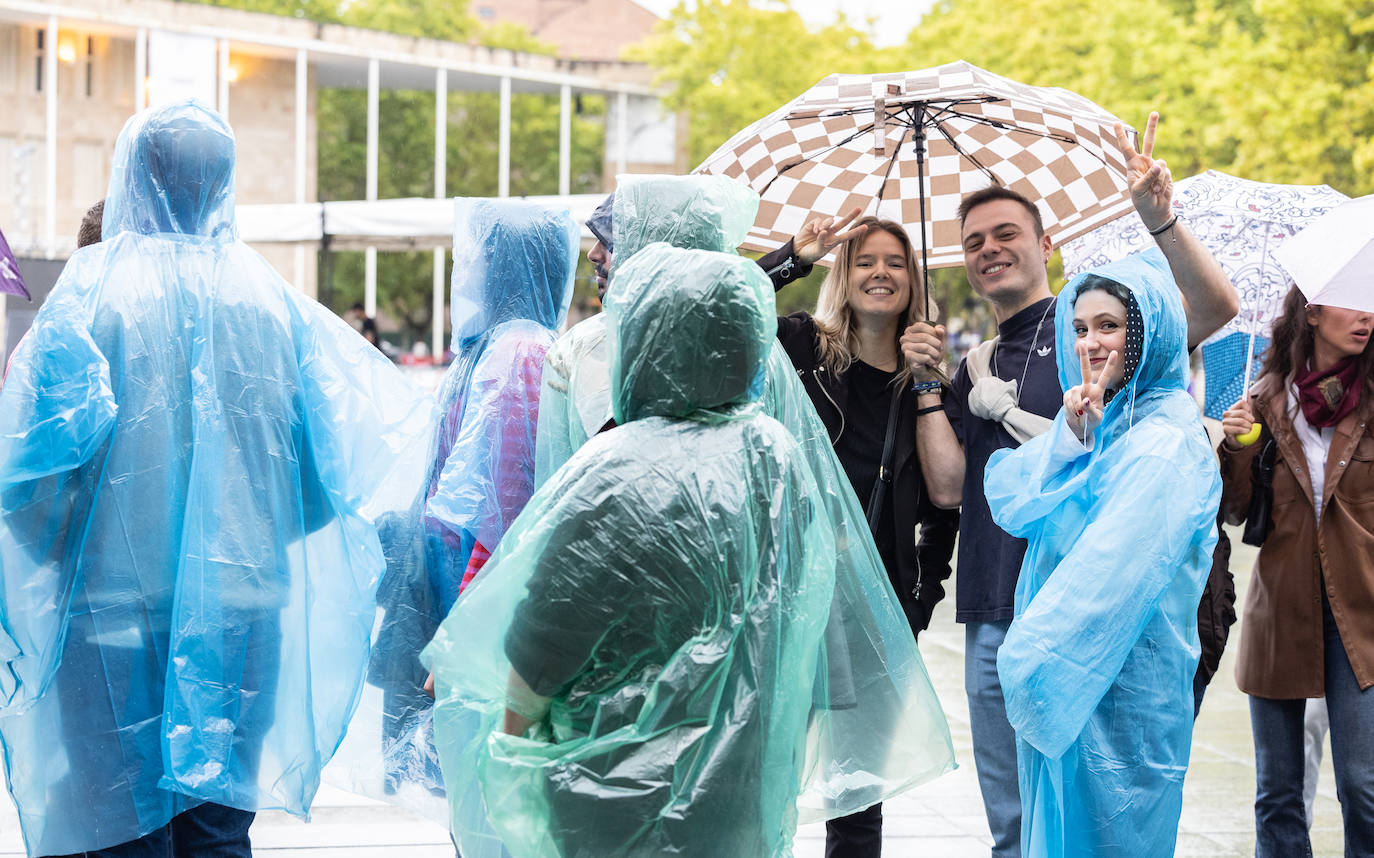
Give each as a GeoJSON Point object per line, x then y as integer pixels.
{"type": "Point", "coordinates": [857, 754]}
{"type": "Point", "coordinates": [192, 456]}
{"type": "Point", "coordinates": [512, 281]}
{"type": "Point", "coordinates": [1097, 667]}
{"type": "Point", "coordinates": [691, 212]}
{"type": "Point", "coordinates": [658, 609]}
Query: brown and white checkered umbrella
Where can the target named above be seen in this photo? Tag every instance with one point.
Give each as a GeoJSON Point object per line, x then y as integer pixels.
{"type": "Point", "coordinates": [908, 146]}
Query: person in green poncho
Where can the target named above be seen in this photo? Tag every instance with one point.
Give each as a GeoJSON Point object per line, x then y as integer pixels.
{"type": "Point", "coordinates": [650, 626]}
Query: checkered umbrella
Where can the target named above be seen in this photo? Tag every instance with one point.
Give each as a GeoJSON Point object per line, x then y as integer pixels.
{"type": "Point", "coordinates": [1243, 223]}
{"type": "Point", "coordinates": [908, 146]}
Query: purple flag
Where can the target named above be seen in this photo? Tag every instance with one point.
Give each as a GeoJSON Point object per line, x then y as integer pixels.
{"type": "Point", "coordinates": [11, 281]}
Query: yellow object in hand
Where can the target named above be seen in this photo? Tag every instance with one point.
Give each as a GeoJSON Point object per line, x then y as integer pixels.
{"type": "Point", "coordinates": [1249, 437]}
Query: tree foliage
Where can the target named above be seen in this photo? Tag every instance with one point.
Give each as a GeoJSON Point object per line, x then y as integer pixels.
{"type": "Point", "coordinates": [1270, 90]}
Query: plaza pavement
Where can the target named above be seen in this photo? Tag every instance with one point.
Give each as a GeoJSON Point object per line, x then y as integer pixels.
{"type": "Point", "coordinates": [943, 819]}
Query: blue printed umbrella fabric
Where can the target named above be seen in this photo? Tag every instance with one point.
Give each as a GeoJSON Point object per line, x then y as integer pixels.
{"type": "Point", "coordinates": [1242, 222]}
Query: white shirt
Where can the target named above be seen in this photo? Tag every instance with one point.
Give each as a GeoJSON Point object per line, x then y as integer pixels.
{"type": "Point", "coordinates": [1316, 443]}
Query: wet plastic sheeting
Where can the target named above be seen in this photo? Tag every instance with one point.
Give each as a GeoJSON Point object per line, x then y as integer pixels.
{"type": "Point", "coordinates": [512, 282]}
{"type": "Point", "coordinates": [1097, 666]}
{"type": "Point", "coordinates": [192, 456]}
{"type": "Point", "coordinates": [657, 610]}
{"type": "Point", "coordinates": [877, 728]}
{"type": "Point", "coordinates": [690, 212]}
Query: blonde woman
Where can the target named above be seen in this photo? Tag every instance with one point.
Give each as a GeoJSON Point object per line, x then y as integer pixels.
{"type": "Point", "coordinates": [850, 363]}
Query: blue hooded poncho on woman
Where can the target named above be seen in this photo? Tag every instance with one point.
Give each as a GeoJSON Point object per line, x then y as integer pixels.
{"type": "Point", "coordinates": [658, 609]}
{"type": "Point", "coordinates": [192, 456]}
{"type": "Point", "coordinates": [513, 266]}
{"type": "Point", "coordinates": [1097, 667]}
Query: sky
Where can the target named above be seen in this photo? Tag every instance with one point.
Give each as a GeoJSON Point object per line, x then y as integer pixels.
{"type": "Point", "coordinates": [895, 18]}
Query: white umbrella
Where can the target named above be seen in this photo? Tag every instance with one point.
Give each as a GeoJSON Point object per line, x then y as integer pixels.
{"type": "Point", "coordinates": [1332, 261]}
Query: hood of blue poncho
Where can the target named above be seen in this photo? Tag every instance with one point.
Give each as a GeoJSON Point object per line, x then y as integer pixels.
{"type": "Point", "coordinates": [1164, 354]}
{"type": "Point", "coordinates": [692, 212]}
{"type": "Point", "coordinates": [687, 331]}
{"type": "Point", "coordinates": [512, 260]}
{"type": "Point", "coordinates": [173, 174]}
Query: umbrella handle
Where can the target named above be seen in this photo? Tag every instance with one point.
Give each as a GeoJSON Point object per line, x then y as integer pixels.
{"type": "Point", "coordinates": [1250, 437]}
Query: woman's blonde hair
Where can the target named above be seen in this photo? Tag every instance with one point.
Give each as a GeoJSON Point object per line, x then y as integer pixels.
{"type": "Point", "coordinates": [838, 342]}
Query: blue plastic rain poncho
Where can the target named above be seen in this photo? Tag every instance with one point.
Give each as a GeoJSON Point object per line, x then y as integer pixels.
{"type": "Point", "coordinates": [656, 612]}
{"type": "Point", "coordinates": [192, 456]}
{"type": "Point", "coordinates": [513, 270]}
{"type": "Point", "coordinates": [878, 728]}
{"type": "Point", "coordinates": [1097, 667]}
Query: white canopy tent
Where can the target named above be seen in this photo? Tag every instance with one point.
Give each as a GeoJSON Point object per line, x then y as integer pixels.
{"type": "Point", "coordinates": [411, 223]}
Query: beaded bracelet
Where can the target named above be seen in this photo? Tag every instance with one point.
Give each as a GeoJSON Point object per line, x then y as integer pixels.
{"type": "Point", "coordinates": [926, 386]}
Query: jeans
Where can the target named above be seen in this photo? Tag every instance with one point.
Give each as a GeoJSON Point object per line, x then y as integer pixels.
{"type": "Point", "coordinates": [1314, 730]}
{"type": "Point", "coordinates": [1280, 760]}
{"type": "Point", "coordinates": [205, 831]}
{"type": "Point", "coordinates": [994, 741]}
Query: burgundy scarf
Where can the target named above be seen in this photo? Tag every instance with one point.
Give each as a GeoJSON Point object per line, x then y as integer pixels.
{"type": "Point", "coordinates": [1328, 396]}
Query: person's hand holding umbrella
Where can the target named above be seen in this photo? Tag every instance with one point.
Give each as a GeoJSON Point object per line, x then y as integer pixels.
{"type": "Point", "coordinates": [1239, 426]}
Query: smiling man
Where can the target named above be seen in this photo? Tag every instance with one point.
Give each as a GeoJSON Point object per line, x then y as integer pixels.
{"type": "Point", "coordinates": [1007, 391]}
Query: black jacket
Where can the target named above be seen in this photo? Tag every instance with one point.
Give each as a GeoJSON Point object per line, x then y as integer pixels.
{"type": "Point", "coordinates": [921, 567]}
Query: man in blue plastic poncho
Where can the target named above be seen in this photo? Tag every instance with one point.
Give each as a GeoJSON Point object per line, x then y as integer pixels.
{"type": "Point", "coordinates": [191, 458]}
{"type": "Point", "coordinates": [642, 649]}
{"type": "Point", "coordinates": [512, 281]}
{"type": "Point", "coordinates": [1118, 503]}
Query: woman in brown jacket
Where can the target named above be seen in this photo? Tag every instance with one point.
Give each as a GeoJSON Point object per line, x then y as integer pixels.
{"type": "Point", "coordinates": [1308, 627]}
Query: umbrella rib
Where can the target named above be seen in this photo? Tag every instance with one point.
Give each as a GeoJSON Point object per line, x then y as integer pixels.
{"type": "Point", "coordinates": [985, 170]}
{"type": "Point", "coordinates": [803, 159]}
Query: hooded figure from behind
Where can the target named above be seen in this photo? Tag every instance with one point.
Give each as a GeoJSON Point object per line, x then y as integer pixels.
{"type": "Point", "coordinates": [692, 212]}
{"type": "Point", "coordinates": [512, 281]}
{"type": "Point", "coordinates": [1098, 663]}
{"type": "Point", "coordinates": [651, 624]}
{"type": "Point", "coordinates": [878, 728]}
{"type": "Point", "coordinates": [192, 456]}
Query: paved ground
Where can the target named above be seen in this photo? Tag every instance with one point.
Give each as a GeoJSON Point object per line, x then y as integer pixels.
{"type": "Point", "coordinates": [944, 819]}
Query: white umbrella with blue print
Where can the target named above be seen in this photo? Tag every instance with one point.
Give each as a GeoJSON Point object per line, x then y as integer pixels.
{"type": "Point", "coordinates": [1244, 224]}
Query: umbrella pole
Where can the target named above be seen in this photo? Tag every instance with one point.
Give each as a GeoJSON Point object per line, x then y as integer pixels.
{"type": "Point", "coordinates": [920, 142]}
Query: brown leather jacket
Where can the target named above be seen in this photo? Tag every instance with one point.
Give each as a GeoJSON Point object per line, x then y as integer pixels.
{"type": "Point", "coordinates": [1281, 649]}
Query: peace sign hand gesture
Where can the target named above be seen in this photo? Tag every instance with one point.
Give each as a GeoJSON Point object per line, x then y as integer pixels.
{"type": "Point", "coordinates": [1083, 403]}
{"type": "Point", "coordinates": [819, 236]}
{"type": "Point", "coordinates": [1151, 183]}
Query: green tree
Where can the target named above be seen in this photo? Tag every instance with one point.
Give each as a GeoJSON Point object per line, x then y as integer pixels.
{"type": "Point", "coordinates": [729, 62]}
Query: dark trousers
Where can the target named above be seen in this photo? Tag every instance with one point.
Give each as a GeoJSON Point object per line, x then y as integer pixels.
{"type": "Point", "coordinates": [859, 835]}
{"type": "Point", "coordinates": [204, 831]}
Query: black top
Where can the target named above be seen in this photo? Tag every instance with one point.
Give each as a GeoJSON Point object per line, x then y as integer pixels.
{"type": "Point", "coordinates": [917, 566]}
{"type": "Point", "coordinates": [989, 558]}
{"type": "Point", "coordinates": [860, 445]}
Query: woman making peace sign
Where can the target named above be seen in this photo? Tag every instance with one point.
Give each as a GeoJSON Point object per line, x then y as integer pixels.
{"type": "Point", "coordinates": [1118, 503]}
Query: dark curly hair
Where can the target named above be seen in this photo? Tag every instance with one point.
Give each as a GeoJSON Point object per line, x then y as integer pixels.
{"type": "Point", "coordinates": [1292, 344]}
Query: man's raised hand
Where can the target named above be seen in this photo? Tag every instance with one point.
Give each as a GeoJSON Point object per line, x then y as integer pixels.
{"type": "Point", "coordinates": [1151, 183]}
